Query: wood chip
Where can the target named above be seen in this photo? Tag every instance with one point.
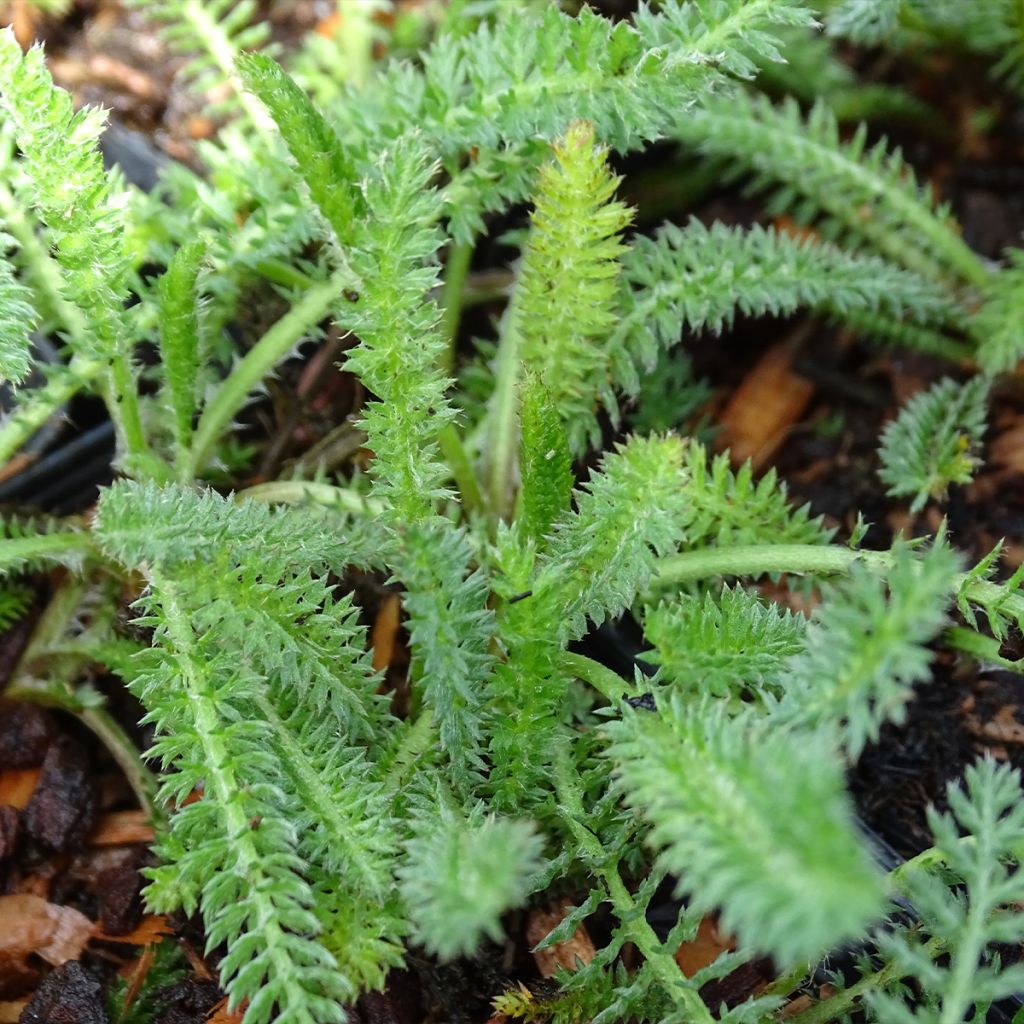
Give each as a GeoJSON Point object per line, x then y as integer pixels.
{"type": "Point", "coordinates": [579, 947]}
{"type": "Point", "coordinates": [1003, 727]}
{"type": "Point", "coordinates": [118, 828]}
{"type": "Point", "coordinates": [704, 948]}
{"type": "Point", "coordinates": [17, 786]}
{"type": "Point", "coordinates": [34, 926]}
{"type": "Point", "coordinates": [385, 631]}
{"type": "Point", "coordinates": [10, 1011]}
{"type": "Point", "coordinates": [764, 407]}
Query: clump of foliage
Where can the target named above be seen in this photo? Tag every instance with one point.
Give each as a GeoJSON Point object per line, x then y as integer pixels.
{"type": "Point", "coordinates": [321, 834]}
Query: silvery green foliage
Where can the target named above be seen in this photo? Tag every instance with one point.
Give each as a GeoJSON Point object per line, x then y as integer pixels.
{"type": "Point", "coordinates": [462, 872]}
{"type": "Point", "coordinates": [753, 819]}
{"type": "Point", "coordinates": [500, 90]}
{"type": "Point", "coordinates": [696, 280]}
{"type": "Point", "coordinates": [935, 440]}
{"type": "Point", "coordinates": [979, 842]}
{"type": "Point", "coordinates": [839, 180]}
{"type": "Point", "coordinates": [722, 644]}
{"type": "Point", "coordinates": [82, 206]}
{"type": "Point", "coordinates": [866, 647]}
{"type": "Point", "coordinates": [16, 319]}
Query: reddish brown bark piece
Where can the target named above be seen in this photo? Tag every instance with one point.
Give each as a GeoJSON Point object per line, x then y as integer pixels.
{"type": "Point", "coordinates": [69, 995]}
{"type": "Point", "coordinates": [763, 408]}
{"type": "Point", "coordinates": [189, 1002]}
{"type": "Point", "coordinates": [26, 731]}
{"type": "Point", "coordinates": [63, 807]}
{"type": "Point", "coordinates": [9, 828]}
{"type": "Point", "coordinates": [120, 893]}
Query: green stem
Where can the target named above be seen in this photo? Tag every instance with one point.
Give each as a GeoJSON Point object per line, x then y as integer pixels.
{"type": "Point", "coordinates": [609, 684]}
{"type": "Point", "coordinates": [757, 559]}
{"type": "Point", "coordinates": [456, 457]}
{"type": "Point", "coordinates": [983, 648]}
{"type": "Point", "coordinates": [297, 492]}
{"type": "Point", "coordinates": [42, 403]}
{"type": "Point", "coordinates": [459, 257]}
{"type": "Point", "coordinates": [257, 363]}
{"type": "Point", "coordinates": [502, 423]}
{"type": "Point", "coordinates": [123, 406]}
{"type": "Point", "coordinates": [631, 916]}
{"type": "Point", "coordinates": [845, 998]}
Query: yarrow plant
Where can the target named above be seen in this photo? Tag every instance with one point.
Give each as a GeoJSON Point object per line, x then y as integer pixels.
{"type": "Point", "coordinates": [321, 832]}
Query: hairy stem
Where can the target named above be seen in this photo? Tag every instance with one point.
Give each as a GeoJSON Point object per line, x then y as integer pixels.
{"type": "Point", "coordinates": [609, 684]}
{"type": "Point", "coordinates": [42, 403]}
{"type": "Point", "coordinates": [502, 423]}
{"type": "Point", "coordinates": [845, 998]}
{"type": "Point", "coordinates": [458, 462]}
{"type": "Point", "coordinates": [757, 559]}
{"type": "Point", "coordinates": [123, 405]}
{"type": "Point", "coordinates": [297, 492]}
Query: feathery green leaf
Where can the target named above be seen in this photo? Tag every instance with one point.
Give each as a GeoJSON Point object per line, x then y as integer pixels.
{"type": "Point", "coordinates": [934, 441]}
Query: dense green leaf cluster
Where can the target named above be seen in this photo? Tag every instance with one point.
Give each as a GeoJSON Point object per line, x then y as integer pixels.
{"type": "Point", "coordinates": [323, 826]}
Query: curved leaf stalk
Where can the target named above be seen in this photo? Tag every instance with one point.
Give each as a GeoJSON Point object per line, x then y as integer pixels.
{"type": "Point", "coordinates": [606, 867]}
{"type": "Point", "coordinates": [258, 362]}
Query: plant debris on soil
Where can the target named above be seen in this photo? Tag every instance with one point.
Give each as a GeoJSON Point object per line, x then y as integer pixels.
{"type": "Point", "coordinates": [800, 396]}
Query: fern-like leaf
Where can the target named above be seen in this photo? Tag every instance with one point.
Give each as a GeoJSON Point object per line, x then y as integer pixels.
{"type": "Point", "coordinates": [563, 304]}
{"type": "Point", "coordinates": [997, 325]}
{"type": "Point", "coordinates": [71, 191]}
{"type": "Point", "coordinates": [17, 317]}
{"type": "Point", "coordinates": [988, 807]}
{"type": "Point", "coordinates": [603, 554]}
{"type": "Point", "coordinates": [728, 507]}
{"type": "Point", "coordinates": [934, 441]}
{"type": "Point", "coordinates": [461, 874]}
{"type": "Point", "coordinates": [179, 336]}
{"type": "Point", "coordinates": [699, 278]}
{"type": "Point", "coordinates": [866, 646]}
{"type": "Point", "coordinates": [866, 196]}
{"type": "Point", "coordinates": [754, 820]}
{"type": "Point", "coordinates": [517, 80]}
{"type": "Point", "coordinates": [724, 644]}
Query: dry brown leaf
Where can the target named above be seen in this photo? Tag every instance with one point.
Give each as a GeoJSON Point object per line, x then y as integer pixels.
{"type": "Point", "coordinates": [1003, 727]}
{"type": "Point", "coordinates": [32, 925]}
{"type": "Point", "coordinates": [153, 928]}
{"type": "Point", "coordinates": [761, 411]}
{"type": "Point", "coordinates": [220, 1014]}
{"type": "Point", "coordinates": [562, 954]}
